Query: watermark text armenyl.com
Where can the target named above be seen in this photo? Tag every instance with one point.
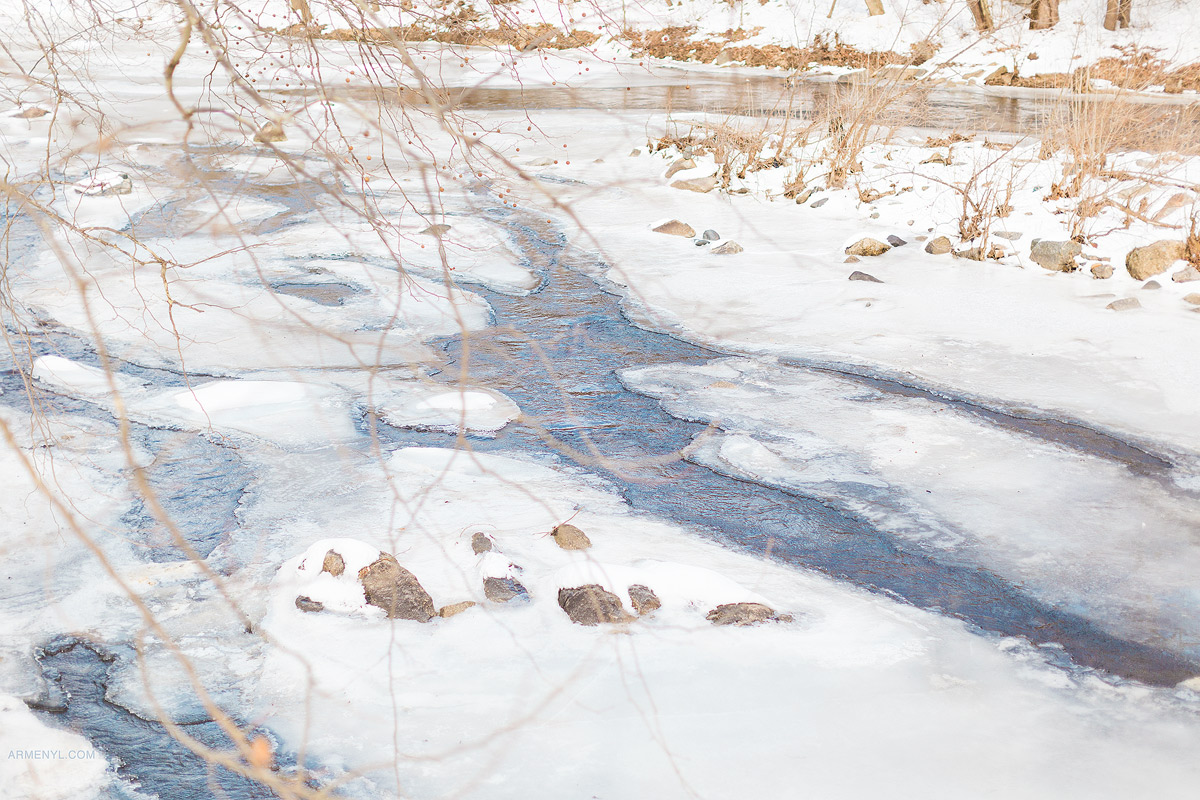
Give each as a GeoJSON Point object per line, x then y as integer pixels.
{"type": "Point", "coordinates": [53, 755]}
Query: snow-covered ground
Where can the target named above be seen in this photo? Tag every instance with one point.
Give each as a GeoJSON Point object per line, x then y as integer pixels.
{"type": "Point", "coordinates": [301, 305]}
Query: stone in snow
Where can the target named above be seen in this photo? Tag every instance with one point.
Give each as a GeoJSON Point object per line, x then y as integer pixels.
{"type": "Point", "coordinates": [701, 185]}
{"type": "Point", "coordinates": [702, 242]}
{"type": "Point", "coordinates": [1193, 298]}
{"type": "Point", "coordinates": [867, 247]}
{"type": "Point", "coordinates": [862, 276]}
{"type": "Point", "coordinates": [1124, 304]}
{"type": "Point", "coordinates": [308, 604]}
{"type": "Point", "coordinates": [32, 112]}
{"type": "Point", "coordinates": [455, 608]}
{"type": "Point", "coordinates": [727, 248]}
{"type": "Point", "coordinates": [679, 166]}
{"type": "Point", "coordinates": [971, 254]}
{"type": "Point", "coordinates": [481, 543]}
{"type": "Point", "coordinates": [819, 202]}
{"type": "Point", "coordinates": [591, 605]}
{"type": "Point", "coordinates": [270, 133]}
{"type": "Point", "coordinates": [851, 260]}
{"type": "Point", "coordinates": [1186, 275]}
{"type": "Point", "coordinates": [1102, 271]}
{"type": "Point", "coordinates": [744, 614]}
{"type": "Point", "coordinates": [1012, 236]}
{"type": "Point", "coordinates": [676, 228]}
{"type": "Point", "coordinates": [644, 600]}
{"type": "Point", "coordinates": [397, 591]}
{"type": "Point", "coordinates": [895, 241]}
{"type": "Point", "coordinates": [711, 235]}
{"type": "Point", "coordinates": [939, 246]}
{"type": "Point", "coordinates": [568, 537]}
{"type": "Point", "coordinates": [1151, 285]}
{"type": "Point", "coordinates": [1153, 259]}
{"type": "Point", "coordinates": [334, 564]}
{"type": "Point", "coordinates": [503, 590]}
{"type": "Point", "coordinates": [1055, 256]}
{"type": "Point", "coordinates": [105, 183]}
{"type": "Point", "coordinates": [439, 229]}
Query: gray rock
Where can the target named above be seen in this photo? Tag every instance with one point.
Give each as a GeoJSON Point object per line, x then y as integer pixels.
{"type": "Point", "coordinates": [503, 590]}
{"type": "Point", "coordinates": [334, 564]}
{"type": "Point", "coordinates": [1186, 275]}
{"type": "Point", "coordinates": [895, 241]}
{"type": "Point", "coordinates": [1151, 285]}
{"type": "Point", "coordinates": [1055, 256]}
{"type": "Point", "coordinates": [1124, 304]}
{"type": "Point", "coordinates": [644, 600]}
{"type": "Point", "coordinates": [568, 537]}
{"type": "Point", "coordinates": [851, 260]}
{"type": "Point", "coordinates": [702, 243]}
{"type": "Point", "coordinates": [701, 185]}
{"type": "Point", "coordinates": [591, 605]}
{"type": "Point", "coordinates": [744, 614]}
{"type": "Point", "coordinates": [1102, 271]}
{"type": "Point", "coordinates": [676, 228]}
{"type": "Point", "coordinates": [270, 133]}
{"type": "Point", "coordinates": [862, 276]}
{"type": "Point", "coordinates": [481, 543]}
{"type": "Point", "coordinates": [397, 591]}
{"type": "Point", "coordinates": [820, 202]}
{"type": "Point", "coordinates": [455, 608]}
{"type": "Point", "coordinates": [727, 248]}
{"type": "Point", "coordinates": [867, 247]}
{"type": "Point", "coordinates": [1153, 259]}
{"type": "Point", "coordinates": [308, 604]}
{"type": "Point", "coordinates": [1012, 236]}
{"type": "Point", "coordinates": [437, 230]}
{"type": "Point", "coordinates": [939, 246]}
{"type": "Point", "coordinates": [679, 166]}
{"type": "Point", "coordinates": [711, 235]}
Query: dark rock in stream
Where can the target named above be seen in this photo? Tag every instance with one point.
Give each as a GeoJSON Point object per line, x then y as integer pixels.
{"type": "Point", "coordinates": [397, 591]}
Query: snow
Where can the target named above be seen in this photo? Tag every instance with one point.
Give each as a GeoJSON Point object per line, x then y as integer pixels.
{"type": "Point", "coordinates": [44, 763]}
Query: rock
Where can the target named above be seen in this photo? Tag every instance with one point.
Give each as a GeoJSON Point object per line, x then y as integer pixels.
{"type": "Point", "coordinates": [895, 241]}
{"type": "Point", "coordinates": [397, 591]}
{"type": "Point", "coordinates": [971, 254]}
{"type": "Point", "coordinates": [503, 590]}
{"type": "Point", "coordinates": [997, 252]}
{"type": "Point", "coordinates": [480, 543]}
{"type": "Point", "coordinates": [676, 228]}
{"type": "Point", "coordinates": [540, 162]}
{"type": "Point", "coordinates": [334, 564]}
{"type": "Point", "coordinates": [1153, 259]}
{"type": "Point", "coordinates": [1186, 275]}
{"type": "Point", "coordinates": [270, 133]}
{"type": "Point", "coordinates": [634, 153]}
{"type": "Point", "coordinates": [744, 614]}
{"type": "Point", "coordinates": [679, 166]}
{"type": "Point", "coordinates": [939, 158]}
{"type": "Point", "coordinates": [568, 537]}
{"type": "Point", "coordinates": [722, 58]}
{"type": "Point", "coordinates": [862, 276]}
{"type": "Point", "coordinates": [308, 604]}
{"type": "Point", "coordinates": [922, 238]}
{"type": "Point", "coordinates": [105, 183]}
{"type": "Point", "coordinates": [804, 196]}
{"type": "Point", "coordinates": [702, 243]}
{"type": "Point", "coordinates": [1193, 298]}
{"type": "Point", "coordinates": [711, 235]}
{"type": "Point", "coordinates": [33, 112]}
{"type": "Point", "coordinates": [867, 247]}
{"type": "Point", "coordinates": [1124, 304]}
{"type": "Point", "coordinates": [820, 202]}
{"type": "Point", "coordinates": [939, 246]}
{"type": "Point", "coordinates": [644, 600]}
{"type": "Point", "coordinates": [1102, 271]}
{"type": "Point", "coordinates": [1012, 236]}
{"type": "Point", "coordinates": [1151, 285]}
{"type": "Point", "coordinates": [437, 230]}
{"type": "Point", "coordinates": [851, 260]}
{"type": "Point", "coordinates": [455, 608]}
{"type": "Point", "coordinates": [1055, 256]}
{"type": "Point", "coordinates": [700, 185]}
{"type": "Point", "coordinates": [591, 605]}
{"type": "Point", "coordinates": [728, 248]}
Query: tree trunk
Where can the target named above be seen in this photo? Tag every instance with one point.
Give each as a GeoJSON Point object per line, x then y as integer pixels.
{"type": "Point", "coordinates": [1044, 14]}
{"type": "Point", "coordinates": [1116, 14]}
{"type": "Point", "coordinates": [875, 7]}
{"type": "Point", "coordinates": [981, 13]}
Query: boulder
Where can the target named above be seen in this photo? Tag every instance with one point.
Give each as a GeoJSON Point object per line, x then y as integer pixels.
{"type": "Point", "coordinates": [1153, 259]}
{"type": "Point", "coordinates": [568, 537]}
{"type": "Point", "coordinates": [32, 112]}
{"type": "Point", "coordinates": [895, 241]}
{"type": "Point", "coordinates": [455, 608]}
{"type": "Point", "coordinates": [644, 600]}
{"type": "Point", "coordinates": [270, 133]}
{"type": "Point", "coordinates": [1124, 304]}
{"type": "Point", "coordinates": [334, 564]}
{"type": "Point", "coordinates": [1055, 256]}
{"type": "Point", "coordinates": [1102, 271]}
{"type": "Point", "coordinates": [676, 228]}
{"type": "Point", "coordinates": [744, 614]}
{"type": "Point", "coordinates": [480, 543]}
{"type": "Point", "coordinates": [437, 230]}
{"type": "Point", "coordinates": [308, 604]}
{"type": "Point", "coordinates": [862, 276]}
{"type": "Point", "coordinates": [679, 166]}
{"type": "Point", "coordinates": [939, 246]}
{"type": "Point", "coordinates": [701, 185]}
{"type": "Point", "coordinates": [591, 605]}
{"type": "Point", "coordinates": [711, 235]}
{"type": "Point", "coordinates": [397, 591]}
{"type": "Point", "coordinates": [867, 247]}
{"type": "Point", "coordinates": [1186, 275]}
{"type": "Point", "coordinates": [503, 590]}
{"type": "Point", "coordinates": [728, 248]}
